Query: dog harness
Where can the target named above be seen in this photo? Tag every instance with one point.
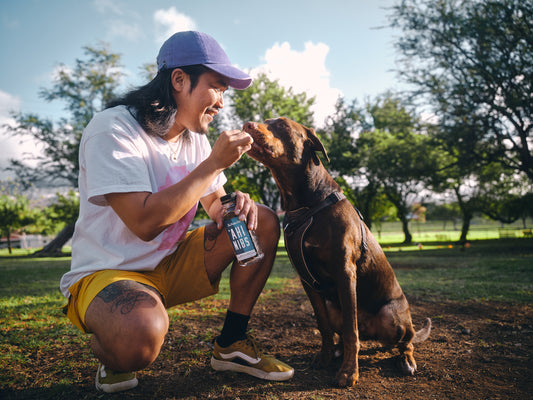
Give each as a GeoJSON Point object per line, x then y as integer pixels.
{"type": "Point", "coordinates": [295, 225]}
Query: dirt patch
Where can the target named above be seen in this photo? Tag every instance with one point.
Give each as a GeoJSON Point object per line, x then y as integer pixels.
{"type": "Point", "coordinates": [477, 350]}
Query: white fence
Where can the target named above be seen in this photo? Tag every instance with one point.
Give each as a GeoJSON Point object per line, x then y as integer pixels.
{"type": "Point", "coordinates": [25, 241]}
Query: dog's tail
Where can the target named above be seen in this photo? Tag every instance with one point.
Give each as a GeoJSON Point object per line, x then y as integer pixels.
{"type": "Point", "coordinates": [423, 333]}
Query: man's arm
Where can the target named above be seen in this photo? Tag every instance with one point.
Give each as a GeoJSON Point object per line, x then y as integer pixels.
{"type": "Point", "coordinates": [148, 214]}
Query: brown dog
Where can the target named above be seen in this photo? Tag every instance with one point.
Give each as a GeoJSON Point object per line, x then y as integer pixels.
{"type": "Point", "coordinates": [350, 283]}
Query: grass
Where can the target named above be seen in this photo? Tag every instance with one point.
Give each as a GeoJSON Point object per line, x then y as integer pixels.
{"type": "Point", "coordinates": [30, 301]}
{"type": "Point", "coordinates": [495, 270]}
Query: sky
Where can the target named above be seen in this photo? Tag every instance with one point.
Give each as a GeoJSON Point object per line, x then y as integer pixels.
{"type": "Point", "coordinates": [324, 48]}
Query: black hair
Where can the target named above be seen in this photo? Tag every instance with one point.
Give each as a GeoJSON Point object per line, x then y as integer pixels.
{"type": "Point", "coordinates": [153, 103]}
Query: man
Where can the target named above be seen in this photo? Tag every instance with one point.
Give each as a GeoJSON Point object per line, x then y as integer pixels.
{"type": "Point", "coordinates": [145, 163]}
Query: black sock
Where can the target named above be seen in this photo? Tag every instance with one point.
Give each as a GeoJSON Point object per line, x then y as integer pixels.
{"type": "Point", "coordinates": [234, 329]}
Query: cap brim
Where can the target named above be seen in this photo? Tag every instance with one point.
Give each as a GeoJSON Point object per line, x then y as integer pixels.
{"type": "Point", "coordinates": [237, 79]}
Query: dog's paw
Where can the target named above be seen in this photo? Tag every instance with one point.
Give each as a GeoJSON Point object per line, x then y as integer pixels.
{"type": "Point", "coordinates": [347, 379]}
{"type": "Point", "coordinates": [406, 365]}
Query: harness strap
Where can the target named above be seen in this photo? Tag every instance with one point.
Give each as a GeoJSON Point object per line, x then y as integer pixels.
{"type": "Point", "coordinates": [300, 215]}
{"type": "Point", "coordinates": [295, 225]}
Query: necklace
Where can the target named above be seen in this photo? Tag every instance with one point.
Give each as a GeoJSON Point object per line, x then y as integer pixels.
{"type": "Point", "coordinates": [174, 151]}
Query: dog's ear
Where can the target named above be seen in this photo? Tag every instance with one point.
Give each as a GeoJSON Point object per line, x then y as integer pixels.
{"type": "Point", "coordinates": [317, 145]}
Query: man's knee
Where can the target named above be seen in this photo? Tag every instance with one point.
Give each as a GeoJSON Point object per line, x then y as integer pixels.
{"type": "Point", "coordinates": [138, 344]}
{"type": "Point", "coordinates": [146, 342]}
{"type": "Point", "coordinates": [129, 322]}
{"type": "Point", "coordinates": [268, 222]}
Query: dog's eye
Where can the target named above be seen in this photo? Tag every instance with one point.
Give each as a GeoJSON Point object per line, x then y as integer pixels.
{"type": "Point", "coordinates": [281, 124]}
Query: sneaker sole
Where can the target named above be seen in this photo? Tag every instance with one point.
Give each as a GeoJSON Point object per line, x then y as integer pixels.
{"type": "Point", "coordinates": [219, 365]}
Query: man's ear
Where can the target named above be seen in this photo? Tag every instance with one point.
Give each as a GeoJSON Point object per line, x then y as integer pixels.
{"type": "Point", "coordinates": [178, 79]}
{"type": "Point", "coordinates": [317, 145]}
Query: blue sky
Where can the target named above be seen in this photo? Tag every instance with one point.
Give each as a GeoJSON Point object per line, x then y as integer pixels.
{"type": "Point", "coordinates": [325, 48]}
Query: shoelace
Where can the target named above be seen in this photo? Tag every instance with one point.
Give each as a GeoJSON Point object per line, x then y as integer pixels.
{"type": "Point", "coordinates": [251, 342]}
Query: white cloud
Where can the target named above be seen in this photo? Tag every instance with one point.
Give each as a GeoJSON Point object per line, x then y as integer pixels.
{"type": "Point", "coordinates": [9, 145]}
{"type": "Point", "coordinates": [304, 71]}
{"type": "Point", "coordinates": [121, 20]}
{"type": "Point", "coordinates": [127, 30]}
{"type": "Point", "coordinates": [168, 22]}
{"type": "Point", "coordinates": [8, 103]}
{"type": "Point", "coordinates": [107, 6]}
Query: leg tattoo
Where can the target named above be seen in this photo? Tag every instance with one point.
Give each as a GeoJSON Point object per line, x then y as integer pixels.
{"type": "Point", "coordinates": [211, 234]}
{"type": "Point", "coordinates": [125, 295]}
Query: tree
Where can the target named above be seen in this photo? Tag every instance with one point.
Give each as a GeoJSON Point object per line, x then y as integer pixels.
{"type": "Point", "coordinates": [506, 201]}
{"type": "Point", "coordinates": [265, 99]}
{"type": "Point", "coordinates": [376, 152]}
{"type": "Point", "coordinates": [85, 89]}
{"type": "Point", "coordinates": [483, 188]}
{"type": "Point", "coordinates": [479, 186]}
{"type": "Point", "coordinates": [340, 139]}
{"type": "Point", "coordinates": [444, 212]}
{"type": "Point", "coordinates": [63, 212]}
{"type": "Point", "coordinates": [15, 214]}
{"type": "Point", "coordinates": [399, 163]}
{"type": "Point", "coordinates": [397, 157]}
{"type": "Point", "coordinates": [473, 59]}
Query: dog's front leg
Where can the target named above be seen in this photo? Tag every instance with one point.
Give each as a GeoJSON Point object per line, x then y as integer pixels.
{"type": "Point", "coordinates": [348, 373]}
{"type": "Point", "coordinates": [325, 356]}
{"type": "Point", "coordinates": [406, 361]}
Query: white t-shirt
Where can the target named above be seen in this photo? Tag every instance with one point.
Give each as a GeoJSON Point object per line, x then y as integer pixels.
{"type": "Point", "coordinates": [117, 155]}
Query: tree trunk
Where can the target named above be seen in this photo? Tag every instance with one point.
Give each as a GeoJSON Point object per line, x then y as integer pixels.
{"type": "Point", "coordinates": [9, 248]}
{"type": "Point", "coordinates": [405, 226]}
{"type": "Point", "coordinates": [53, 249]}
{"type": "Point", "coordinates": [465, 228]}
{"type": "Point", "coordinates": [467, 213]}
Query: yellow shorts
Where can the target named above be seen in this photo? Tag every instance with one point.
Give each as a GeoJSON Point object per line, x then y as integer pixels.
{"type": "Point", "coordinates": [180, 278]}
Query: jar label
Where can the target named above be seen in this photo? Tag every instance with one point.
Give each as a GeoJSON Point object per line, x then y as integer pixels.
{"type": "Point", "coordinates": [240, 238]}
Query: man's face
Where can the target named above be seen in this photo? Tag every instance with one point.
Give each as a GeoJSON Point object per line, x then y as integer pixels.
{"type": "Point", "coordinates": [197, 109]}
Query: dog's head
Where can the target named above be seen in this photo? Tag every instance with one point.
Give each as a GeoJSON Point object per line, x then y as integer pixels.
{"type": "Point", "coordinates": [282, 142]}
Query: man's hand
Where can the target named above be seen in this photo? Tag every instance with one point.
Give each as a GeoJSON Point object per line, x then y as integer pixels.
{"type": "Point", "coordinates": [229, 147]}
{"type": "Point", "coordinates": [245, 210]}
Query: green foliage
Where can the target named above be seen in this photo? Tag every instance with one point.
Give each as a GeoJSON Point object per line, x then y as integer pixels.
{"type": "Point", "coordinates": [391, 114]}
{"type": "Point", "coordinates": [474, 61]}
{"type": "Point", "coordinates": [66, 208]}
{"type": "Point", "coordinates": [445, 212]}
{"type": "Point", "coordinates": [62, 212]}
{"type": "Point", "coordinates": [15, 214]}
{"type": "Point", "coordinates": [480, 187]}
{"type": "Point", "coordinates": [399, 162]}
{"type": "Point", "coordinates": [380, 143]}
{"type": "Point", "coordinates": [267, 99]}
{"type": "Point", "coordinates": [339, 138]}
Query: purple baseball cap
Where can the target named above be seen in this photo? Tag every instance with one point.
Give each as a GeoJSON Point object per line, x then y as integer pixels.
{"type": "Point", "coordinates": [192, 48]}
